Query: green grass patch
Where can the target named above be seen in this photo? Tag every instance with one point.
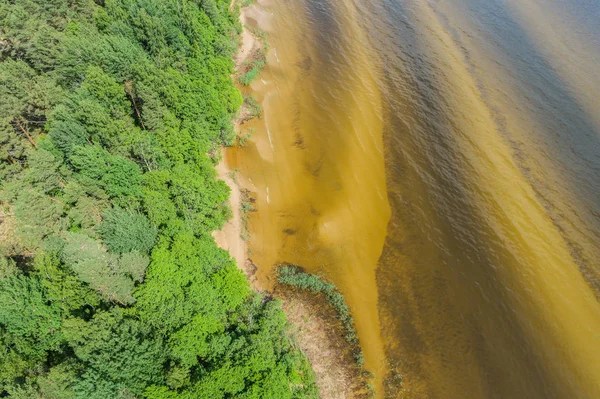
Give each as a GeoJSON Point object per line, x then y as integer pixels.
{"type": "Point", "coordinates": [258, 60]}
{"type": "Point", "coordinates": [252, 72]}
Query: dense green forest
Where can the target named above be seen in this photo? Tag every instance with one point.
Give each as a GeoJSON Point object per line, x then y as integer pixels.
{"type": "Point", "coordinates": [111, 285]}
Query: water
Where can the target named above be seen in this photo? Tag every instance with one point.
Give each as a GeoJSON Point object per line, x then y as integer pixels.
{"type": "Point", "coordinates": [439, 160]}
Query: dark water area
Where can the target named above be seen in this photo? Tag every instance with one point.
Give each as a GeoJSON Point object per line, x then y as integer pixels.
{"type": "Point", "coordinates": [466, 280]}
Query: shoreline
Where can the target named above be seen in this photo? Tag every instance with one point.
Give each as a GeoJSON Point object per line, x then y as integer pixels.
{"type": "Point", "coordinates": [313, 324]}
{"type": "Point", "coordinates": [229, 237]}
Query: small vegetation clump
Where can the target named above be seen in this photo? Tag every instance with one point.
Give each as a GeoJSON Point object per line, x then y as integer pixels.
{"type": "Point", "coordinates": [253, 66]}
{"type": "Point", "coordinates": [253, 106]}
{"type": "Point", "coordinates": [393, 382]}
{"type": "Point", "coordinates": [250, 109]}
{"type": "Point", "coordinates": [244, 136]}
{"type": "Point", "coordinates": [246, 206]}
{"type": "Point", "coordinates": [294, 276]}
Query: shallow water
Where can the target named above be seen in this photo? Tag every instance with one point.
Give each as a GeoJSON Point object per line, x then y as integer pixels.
{"type": "Point", "coordinates": [439, 161]}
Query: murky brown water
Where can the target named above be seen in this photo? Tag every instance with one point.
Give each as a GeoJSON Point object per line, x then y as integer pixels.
{"type": "Point", "coordinates": [439, 160]}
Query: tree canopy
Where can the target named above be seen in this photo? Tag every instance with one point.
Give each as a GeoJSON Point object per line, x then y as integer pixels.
{"type": "Point", "coordinates": [111, 285]}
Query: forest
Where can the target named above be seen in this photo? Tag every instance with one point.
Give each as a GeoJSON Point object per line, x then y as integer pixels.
{"type": "Point", "coordinates": [112, 115]}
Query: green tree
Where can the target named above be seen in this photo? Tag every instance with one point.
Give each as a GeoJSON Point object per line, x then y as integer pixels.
{"type": "Point", "coordinates": [26, 97]}
{"type": "Point", "coordinates": [123, 231]}
{"type": "Point", "coordinates": [119, 177]}
{"type": "Point", "coordinates": [62, 286]}
{"type": "Point", "coordinates": [111, 275]}
{"type": "Point", "coordinates": [29, 321]}
{"type": "Point", "coordinates": [45, 171]}
{"type": "Point", "coordinates": [119, 355]}
{"type": "Point", "coordinates": [39, 216]}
